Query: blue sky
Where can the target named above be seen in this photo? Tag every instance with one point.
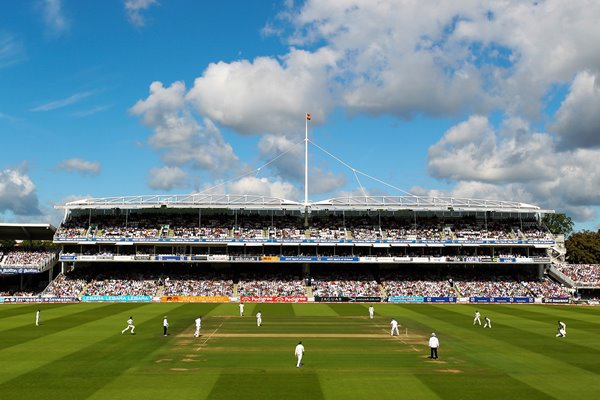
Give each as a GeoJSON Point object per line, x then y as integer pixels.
{"type": "Point", "coordinates": [465, 99]}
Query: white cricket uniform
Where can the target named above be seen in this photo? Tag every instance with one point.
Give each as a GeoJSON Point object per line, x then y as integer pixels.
{"type": "Point", "coordinates": [371, 312]}
{"type": "Point", "coordinates": [165, 326]}
{"type": "Point", "coordinates": [37, 318]}
{"type": "Point", "coordinates": [562, 329]}
{"type": "Point", "coordinates": [258, 319]}
{"type": "Point", "coordinates": [488, 323]}
{"type": "Point", "coordinates": [299, 352]}
{"type": "Point", "coordinates": [129, 326]}
{"type": "Point", "coordinates": [198, 325]}
{"type": "Point", "coordinates": [394, 325]}
{"type": "Point", "coordinates": [477, 319]}
{"type": "Point", "coordinates": [241, 309]}
{"type": "Point", "coordinates": [434, 343]}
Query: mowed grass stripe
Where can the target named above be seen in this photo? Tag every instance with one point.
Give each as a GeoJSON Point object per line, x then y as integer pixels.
{"type": "Point", "coordinates": [588, 321]}
{"type": "Point", "coordinates": [530, 334]}
{"type": "Point", "coordinates": [545, 324]}
{"type": "Point", "coordinates": [91, 367]}
{"type": "Point", "coordinates": [12, 310]}
{"type": "Point", "coordinates": [296, 385]}
{"type": "Point", "coordinates": [494, 350]}
{"type": "Point", "coordinates": [54, 321]}
{"type": "Point", "coordinates": [358, 360]}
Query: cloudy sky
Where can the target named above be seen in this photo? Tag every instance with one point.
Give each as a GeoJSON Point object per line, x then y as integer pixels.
{"type": "Point", "coordinates": [497, 100]}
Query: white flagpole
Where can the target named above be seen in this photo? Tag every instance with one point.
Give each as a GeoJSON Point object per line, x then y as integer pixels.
{"type": "Point", "coordinates": [307, 116]}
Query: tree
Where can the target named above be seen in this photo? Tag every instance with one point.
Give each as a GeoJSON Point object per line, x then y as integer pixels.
{"type": "Point", "coordinates": [7, 243]}
{"type": "Point", "coordinates": [583, 248]}
{"type": "Point", "coordinates": [558, 224]}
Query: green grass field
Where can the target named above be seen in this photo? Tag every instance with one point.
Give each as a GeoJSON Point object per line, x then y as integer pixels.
{"type": "Point", "coordinates": [78, 352]}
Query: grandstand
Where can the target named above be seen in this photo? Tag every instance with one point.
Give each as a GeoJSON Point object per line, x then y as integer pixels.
{"type": "Point", "coordinates": [21, 264]}
{"type": "Point", "coordinates": [373, 242]}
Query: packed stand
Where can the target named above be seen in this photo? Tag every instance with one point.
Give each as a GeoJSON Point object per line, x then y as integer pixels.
{"type": "Point", "coordinates": [583, 274]}
{"type": "Point", "coordinates": [261, 284]}
{"type": "Point", "coordinates": [69, 285]}
{"type": "Point", "coordinates": [428, 285]}
{"type": "Point", "coordinates": [123, 284]}
{"type": "Point", "coordinates": [27, 258]}
{"type": "Point", "coordinates": [348, 284]}
{"type": "Point", "coordinates": [193, 285]}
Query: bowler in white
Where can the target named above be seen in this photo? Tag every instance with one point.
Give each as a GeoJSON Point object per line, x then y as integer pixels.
{"type": "Point", "coordinates": [241, 309]}
{"type": "Point", "coordinates": [371, 312]}
{"type": "Point", "coordinates": [198, 322]}
{"type": "Point", "coordinates": [299, 352]}
{"type": "Point", "coordinates": [258, 318]}
{"type": "Point", "coordinates": [394, 325]}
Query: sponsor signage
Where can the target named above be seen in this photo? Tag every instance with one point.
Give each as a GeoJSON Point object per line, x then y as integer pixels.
{"type": "Point", "coordinates": [522, 300]}
{"type": "Point", "coordinates": [348, 299]}
{"type": "Point", "coordinates": [67, 258]}
{"type": "Point", "coordinates": [480, 299]}
{"type": "Point", "coordinates": [117, 299]}
{"type": "Point", "coordinates": [194, 299]}
{"type": "Point", "coordinates": [13, 271]}
{"type": "Point", "coordinates": [270, 258]}
{"type": "Point", "coordinates": [245, 258]}
{"type": "Point", "coordinates": [200, 257]}
{"type": "Point", "coordinates": [167, 258]}
{"type": "Point", "coordinates": [142, 257]}
{"type": "Point", "coordinates": [273, 299]}
{"type": "Point", "coordinates": [439, 299]}
{"type": "Point", "coordinates": [317, 259]}
{"type": "Point", "coordinates": [562, 300]}
{"type": "Point", "coordinates": [405, 299]}
{"type": "Point", "coordinates": [218, 257]}
{"type": "Point", "coordinates": [34, 299]}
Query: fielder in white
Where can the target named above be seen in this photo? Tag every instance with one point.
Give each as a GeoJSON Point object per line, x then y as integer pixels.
{"type": "Point", "coordinates": [299, 352]}
{"type": "Point", "coordinates": [165, 326]}
{"type": "Point", "coordinates": [394, 325]}
{"type": "Point", "coordinates": [477, 319]}
{"type": "Point", "coordinates": [129, 326]}
{"type": "Point", "coordinates": [241, 309]}
{"type": "Point", "coordinates": [371, 312]}
{"type": "Point", "coordinates": [258, 318]}
{"type": "Point", "coordinates": [562, 329]}
{"type": "Point", "coordinates": [198, 322]}
{"type": "Point", "coordinates": [37, 318]}
{"type": "Point", "coordinates": [488, 323]}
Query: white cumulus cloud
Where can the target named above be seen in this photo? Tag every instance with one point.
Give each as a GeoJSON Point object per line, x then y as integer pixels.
{"type": "Point", "coordinates": [84, 167]}
{"type": "Point", "coordinates": [167, 178]}
{"type": "Point", "coordinates": [17, 193]}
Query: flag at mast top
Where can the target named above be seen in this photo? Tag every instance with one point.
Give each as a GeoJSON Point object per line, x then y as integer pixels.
{"type": "Point", "coordinates": [308, 116]}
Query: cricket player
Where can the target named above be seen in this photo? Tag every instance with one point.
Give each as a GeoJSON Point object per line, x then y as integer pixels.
{"type": "Point", "coordinates": [165, 326]}
{"type": "Point", "coordinates": [394, 325]}
{"type": "Point", "coordinates": [434, 343]}
{"type": "Point", "coordinates": [562, 329]}
{"type": "Point", "coordinates": [488, 323]}
{"type": "Point", "coordinates": [37, 318]}
{"type": "Point", "coordinates": [258, 318]}
{"type": "Point", "coordinates": [198, 322]}
{"type": "Point", "coordinates": [477, 319]}
{"type": "Point", "coordinates": [241, 309]}
{"type": "Point", "coordinates": [371, 312]}
{"type": "Point", "coordinates": [129, 326]}
{"type": "Point", "coordinates": [299, 352]}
